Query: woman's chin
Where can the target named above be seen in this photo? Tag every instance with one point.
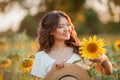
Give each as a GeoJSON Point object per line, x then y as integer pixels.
{"type": "Point", "coordinates": [67, 37]}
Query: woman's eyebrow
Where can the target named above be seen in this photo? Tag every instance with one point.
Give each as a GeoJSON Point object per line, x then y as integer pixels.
{"type": "Point", "coordinates": [64, 23]}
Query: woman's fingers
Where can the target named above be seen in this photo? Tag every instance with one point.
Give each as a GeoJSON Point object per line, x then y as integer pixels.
{"type": "Point", "coordinates": [99, 60]}
{"type": "Point", "coordinates": [59, 65]}
{"type": "Point", "coordinates": [95, 60]}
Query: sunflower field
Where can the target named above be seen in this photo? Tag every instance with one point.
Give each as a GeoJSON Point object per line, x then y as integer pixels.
{"type": "Point", "coordinates": [17, 54]}
{"type": "Point", "coordinates": [110, 45]}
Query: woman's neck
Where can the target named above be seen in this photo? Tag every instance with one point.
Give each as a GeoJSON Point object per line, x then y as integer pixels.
{"type": "Point", "coordinates": [59, 45]}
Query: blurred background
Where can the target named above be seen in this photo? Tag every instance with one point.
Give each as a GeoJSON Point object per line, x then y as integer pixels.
{"type": "Point", "coordinates": [19, 21]}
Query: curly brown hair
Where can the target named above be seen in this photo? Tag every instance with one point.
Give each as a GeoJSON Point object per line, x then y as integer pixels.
{"type": "Point", "coordinates": [48, 24]}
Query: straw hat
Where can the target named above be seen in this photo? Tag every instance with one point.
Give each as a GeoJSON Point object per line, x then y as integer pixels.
{"type": "Point", "coordinates": [69, 72]}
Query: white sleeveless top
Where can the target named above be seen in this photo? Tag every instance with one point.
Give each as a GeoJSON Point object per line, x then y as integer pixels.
{"type": "Point", "coordinates": [43, 63]}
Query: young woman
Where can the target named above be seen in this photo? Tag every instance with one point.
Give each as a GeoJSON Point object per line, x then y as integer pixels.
{"type": "Point", "coordinates": [59, 45]}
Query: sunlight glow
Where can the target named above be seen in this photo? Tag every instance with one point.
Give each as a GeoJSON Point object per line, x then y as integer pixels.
{"type": "Point", "coordinates": [102, 9]}
{"type": "Point", "coordinates": [14, 14]}
{"type": "Point", "coordinates": [12, 18]}
{"type": "Point", "coordinates": [115, 11]}
{"type": "Point", "coordinates": [33, 6]}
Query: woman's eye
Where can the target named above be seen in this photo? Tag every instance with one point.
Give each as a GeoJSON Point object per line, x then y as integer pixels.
{"type": "Point", "coordinates": [61, 26]}
{"type": "Point", "coordinates": [64, 25]}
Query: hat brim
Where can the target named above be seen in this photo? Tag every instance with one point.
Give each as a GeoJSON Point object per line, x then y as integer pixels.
{"type": "Point", "coordinates": [71, 71]}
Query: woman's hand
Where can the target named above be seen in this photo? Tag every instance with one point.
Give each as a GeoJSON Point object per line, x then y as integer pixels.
{"type": "Point", "coordinates": [59, 65]}
{"type": "Point", "coordinates": [99, 60]}
{"type": "Point", "coordinates": [103, 65]}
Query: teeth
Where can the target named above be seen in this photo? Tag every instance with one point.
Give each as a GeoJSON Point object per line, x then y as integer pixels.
{"type": "Point", "coordinates": [66, 33]}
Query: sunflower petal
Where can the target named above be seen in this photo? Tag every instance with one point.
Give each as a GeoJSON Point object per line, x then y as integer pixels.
{"type": "Point", "coordinates": [92, 48]}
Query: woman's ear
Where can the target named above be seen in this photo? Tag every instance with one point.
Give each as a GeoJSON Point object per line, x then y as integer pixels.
{"type": "Point", "coordinates": [52, 33]}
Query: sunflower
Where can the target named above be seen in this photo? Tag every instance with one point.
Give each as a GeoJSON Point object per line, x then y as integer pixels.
{"type": "Point", "coordinates": [117, 45]}
{"type": "Point", "coordinates": [1, 77]}
{"type": "Point", "coordinates": [92, 48]}
{"type": "Point", "coordinates": [26, 65]}
{"type": "Point", "coordinates": [5, 63]}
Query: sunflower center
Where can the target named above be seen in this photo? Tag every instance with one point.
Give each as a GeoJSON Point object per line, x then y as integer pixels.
{"type": "Point", "coordinates": [92, 47]}
{"type": "Point", "coordinates": [119, 45]}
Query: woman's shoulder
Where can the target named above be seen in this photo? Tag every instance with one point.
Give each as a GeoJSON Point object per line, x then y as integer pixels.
{"type": "Point", "coordinates": [41, 53]}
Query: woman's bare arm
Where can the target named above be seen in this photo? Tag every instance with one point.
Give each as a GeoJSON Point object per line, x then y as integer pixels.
{"type": "Point", "coordinates": [103, 65]}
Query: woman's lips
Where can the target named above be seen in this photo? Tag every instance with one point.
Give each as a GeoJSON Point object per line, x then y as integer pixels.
{"type": "Point", "coordinates": [66, 34]}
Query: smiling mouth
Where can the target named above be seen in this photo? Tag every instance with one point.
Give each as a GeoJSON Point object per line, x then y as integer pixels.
{"type": "Point", "coordinates": [66, 34]}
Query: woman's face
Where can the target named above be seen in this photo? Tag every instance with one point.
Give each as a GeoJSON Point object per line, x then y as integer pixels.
{"type": "Point", "coordinates": [63, 30]}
